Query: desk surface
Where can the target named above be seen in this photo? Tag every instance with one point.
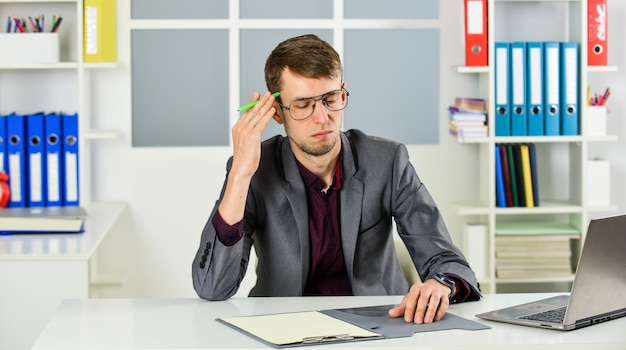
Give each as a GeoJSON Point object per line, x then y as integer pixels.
{"type": "Point", "coordinates": [76, 246]}
{"type": "Point", "coordinates": [190, 324]}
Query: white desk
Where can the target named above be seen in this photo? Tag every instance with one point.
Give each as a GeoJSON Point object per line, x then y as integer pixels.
{"type": "Point", "coordinates": [190, 324]}
{"type": "Point", "coordinates": [38, 271]}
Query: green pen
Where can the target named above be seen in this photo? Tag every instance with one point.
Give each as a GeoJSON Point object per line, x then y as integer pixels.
{"type": "Point", "coordinates": [252, 104]}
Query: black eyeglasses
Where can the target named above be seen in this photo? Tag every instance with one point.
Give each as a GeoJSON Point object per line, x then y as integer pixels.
{"type": "Point", "coordinates": [303, 108]}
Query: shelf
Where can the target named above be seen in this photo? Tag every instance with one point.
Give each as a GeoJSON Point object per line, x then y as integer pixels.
{"type": "Point", "coordinates": [51, 66]}
{"type": "Point", "coordinates": [104, 65]}
{"type": "Point", "coordinates": [473, 140]}
{"type": "Point", "coordinates": [544, 208]}
{"type": "Point", "coordinates": [539, 139]}
{"type": "Point", "coordinates": [531, 229]}
{"type": "Point", "coordinates": [466, 69]}
{"type": "Point", "coordinates": [601, 69]}
{"type": "Point", "coordinates": [469, 208]}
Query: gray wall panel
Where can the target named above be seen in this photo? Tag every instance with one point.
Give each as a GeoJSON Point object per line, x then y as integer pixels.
{"type": "Point", "coordinates": [392, 9]}
{"type": "Point", "coordinates": [180, 87]}
{"type": "Point", "coordinates": [286, 9]}
{"type": "Point", "coordinates": [179, 9]}
{"type": "Point", "coordinates": [393, 79]}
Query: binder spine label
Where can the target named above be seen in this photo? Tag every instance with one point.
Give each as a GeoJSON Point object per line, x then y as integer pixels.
{"type": "Point", "coordinates": [91, 30]}
{"type": "Point", "coordinates": [15, 183]}
{"type": "Point", "coordinates": [35, 178]}
{"type": "Point", "coordinates": [71, 171]}
{"type": "Point", "coordinates": [475, 17]}
{"type": "Point", "coordinates": [54, 192]}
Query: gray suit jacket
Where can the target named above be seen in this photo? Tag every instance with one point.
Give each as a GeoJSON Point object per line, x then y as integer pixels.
{"type": "Point", "coordinates": [378, 184]}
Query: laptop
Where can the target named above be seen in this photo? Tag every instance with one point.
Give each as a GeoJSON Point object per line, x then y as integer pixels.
{"type": "Point", "coordinates": [597, 293]}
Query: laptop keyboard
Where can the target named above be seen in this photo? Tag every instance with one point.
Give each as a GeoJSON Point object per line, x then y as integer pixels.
{"type": "Point", "coordinates": [552, 316]}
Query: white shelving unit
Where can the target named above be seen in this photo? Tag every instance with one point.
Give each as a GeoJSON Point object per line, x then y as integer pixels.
{"type": "Point", "coordinates": [71, 76]}
{"type": "Point", "coordinates": [561, 199]}
{"type": "Point", "coordinates": [29, 266]}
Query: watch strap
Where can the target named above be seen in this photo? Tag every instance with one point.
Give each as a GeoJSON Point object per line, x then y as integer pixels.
{"type": "Point", "coordinates": [446, 281]}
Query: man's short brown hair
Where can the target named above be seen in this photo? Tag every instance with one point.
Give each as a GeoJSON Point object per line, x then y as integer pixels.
{"type": "Point", "coordinates": [307, 56]}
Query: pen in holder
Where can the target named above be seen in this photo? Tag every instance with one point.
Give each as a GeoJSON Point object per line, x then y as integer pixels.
{"type": "Point", "coordinates": [25, 48]}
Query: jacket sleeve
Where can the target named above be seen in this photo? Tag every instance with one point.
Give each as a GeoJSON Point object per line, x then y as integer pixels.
{"type": "Point", "coordinates": [422, 229]}
{"type": "Point", "coordinates": [217, 269]}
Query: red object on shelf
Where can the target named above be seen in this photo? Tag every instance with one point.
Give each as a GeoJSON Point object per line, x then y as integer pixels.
{"type": "Point", "coordinates": [476, 51]}
{"type": "Point", "coordinates": [597, 32]}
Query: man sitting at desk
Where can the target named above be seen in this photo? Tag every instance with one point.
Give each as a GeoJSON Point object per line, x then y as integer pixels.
{"type": "Point", "coordinates": [318, 204]}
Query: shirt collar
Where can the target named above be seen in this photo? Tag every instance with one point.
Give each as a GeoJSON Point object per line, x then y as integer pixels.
{"type": "Point", "coordinates": [311, 179]}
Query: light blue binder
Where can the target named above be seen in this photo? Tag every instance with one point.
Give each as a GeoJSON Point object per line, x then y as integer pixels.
{"type": "Point", "coordinates": [70, 160]}
{"type": "Point", "coordinates": [54, 160]}
{"type": "Point", "coordinates": [16, 153]}
{"type": "Point", "coordinates": [570, 88]}
{"type": "Point", "coordinates": [502, 85]}
{"type": "Point", "coordinates": [534, 93]}
{"type": "Point", "coordinates": [552, 87]}
{"type": "Point", "coordinates": [35, 160]}
{"type": "Point", "coordinates": [519, 116]}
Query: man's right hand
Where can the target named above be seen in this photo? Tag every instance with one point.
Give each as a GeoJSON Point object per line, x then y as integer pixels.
{"type": "Point", "coordinates": [246, 134]}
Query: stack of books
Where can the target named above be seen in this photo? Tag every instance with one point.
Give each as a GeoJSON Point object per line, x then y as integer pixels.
{"type": "Point", "coordinates": [468, 118]}
{"type": "Point", "coordinates": [536, 250]}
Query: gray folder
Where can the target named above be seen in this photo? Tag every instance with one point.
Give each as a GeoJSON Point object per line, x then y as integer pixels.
{"type": "Point", "coordinates": [370, 323]}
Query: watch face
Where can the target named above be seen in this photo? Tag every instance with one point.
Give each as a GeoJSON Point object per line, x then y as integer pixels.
{"type": "Point", "coordinates": [443, 279]}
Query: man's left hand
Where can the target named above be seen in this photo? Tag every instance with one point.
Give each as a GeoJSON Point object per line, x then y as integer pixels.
{"type": "Point", "coordinates": [424, 303]}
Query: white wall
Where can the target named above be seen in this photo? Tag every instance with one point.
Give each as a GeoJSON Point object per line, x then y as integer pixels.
{"type": "Point", "coordinates": [170, 191]}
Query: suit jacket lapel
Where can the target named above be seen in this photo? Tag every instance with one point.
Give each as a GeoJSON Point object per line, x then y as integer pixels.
{"type": "Point", "coordinates": [296, 195]}
{"type": "Point", "coordinates": [351, 204]}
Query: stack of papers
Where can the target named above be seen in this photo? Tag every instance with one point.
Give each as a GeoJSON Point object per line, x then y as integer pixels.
{"type": "Point", "coordinates": [534, 250]}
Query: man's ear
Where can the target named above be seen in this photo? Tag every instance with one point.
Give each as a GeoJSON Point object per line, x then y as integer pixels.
{"type": "Point", "coordinates": [278, 118]}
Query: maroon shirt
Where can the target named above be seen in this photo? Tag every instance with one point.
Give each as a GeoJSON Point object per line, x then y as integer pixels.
{"type": "Point", "coordinates": [327, 269]}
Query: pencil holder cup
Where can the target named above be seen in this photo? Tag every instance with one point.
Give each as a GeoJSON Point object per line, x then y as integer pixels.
{"type": "Point", "coordinates": [25, 48]}
{"type": "Point", "coordinates": [596, 120]}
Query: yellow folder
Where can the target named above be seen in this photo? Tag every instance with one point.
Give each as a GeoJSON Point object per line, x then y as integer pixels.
{"type": "Point", "coordinates": [99, 31]}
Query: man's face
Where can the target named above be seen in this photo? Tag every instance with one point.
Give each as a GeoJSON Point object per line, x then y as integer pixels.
{"type": "Point", "coordinates": [318, 133]}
